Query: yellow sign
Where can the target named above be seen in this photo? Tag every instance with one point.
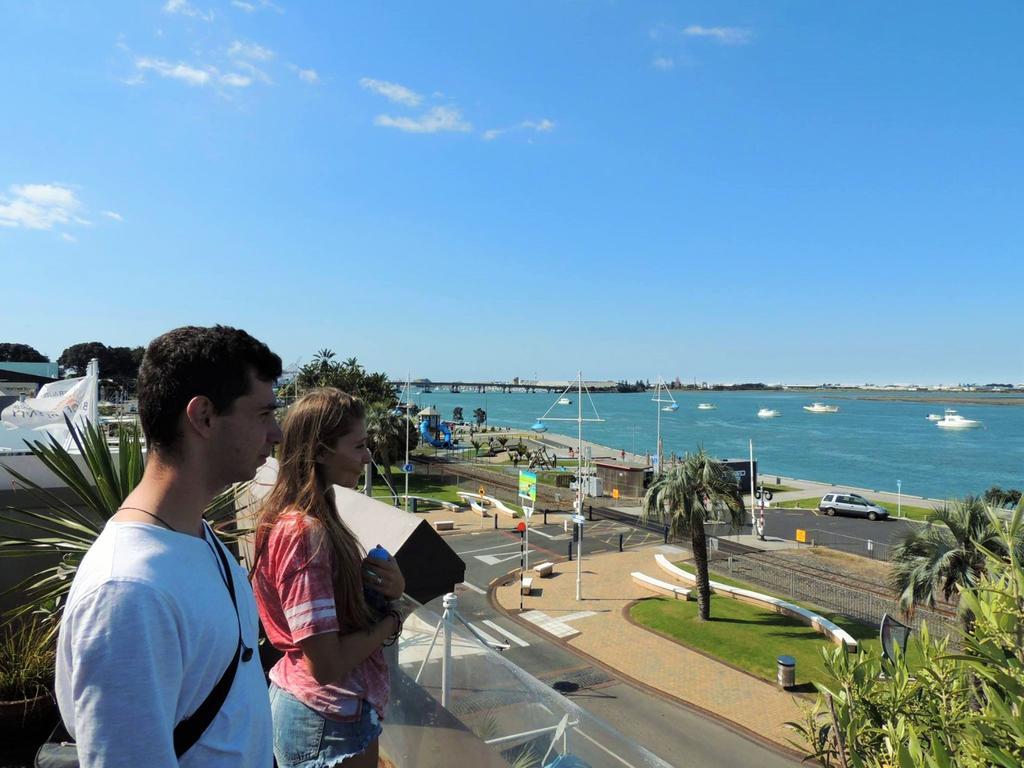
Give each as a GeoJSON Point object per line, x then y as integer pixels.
{"type": "Point", "coordinates": [615, 493]}
{"type": "Point", "coordinates": [801, 535]}
{"type": "Point", "coordinates": [482, 490]}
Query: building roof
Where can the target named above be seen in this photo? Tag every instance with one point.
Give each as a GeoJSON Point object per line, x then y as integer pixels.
{"type": "Point", "coordinates": [13, 374]}
{"type": "Point", "coordinates": [623, 465]}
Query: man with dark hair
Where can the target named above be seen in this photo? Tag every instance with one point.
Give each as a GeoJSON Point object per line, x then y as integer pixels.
{"type": "Point", "coordinates": [155, 661]}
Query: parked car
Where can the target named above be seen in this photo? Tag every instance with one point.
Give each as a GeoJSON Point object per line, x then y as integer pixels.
{"type": "Point", "coordinates": [851, 504]}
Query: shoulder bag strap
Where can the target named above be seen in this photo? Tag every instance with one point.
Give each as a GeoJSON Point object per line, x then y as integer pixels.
{"type": "Point", "coordinates": [191, 729]}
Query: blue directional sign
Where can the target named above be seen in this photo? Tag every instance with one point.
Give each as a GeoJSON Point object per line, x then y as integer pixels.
{"type": "Point", "coordinates": [407, 468]}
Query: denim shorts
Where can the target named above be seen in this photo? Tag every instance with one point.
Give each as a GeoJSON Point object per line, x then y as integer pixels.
{"type": "Point", "coordinates": [303, 738]}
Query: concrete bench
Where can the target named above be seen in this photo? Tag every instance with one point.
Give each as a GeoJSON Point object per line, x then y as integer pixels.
{"type": "Point", "coordinates": [659, 586]}
{"type": "Point", "coordinates": [544, 569]}
{"type": "Point", "coordinates": [527, 586]}
{"type": "Point", "coordinates": [444, 525]}
{"type": "Point", "coordinates": [832, 631]}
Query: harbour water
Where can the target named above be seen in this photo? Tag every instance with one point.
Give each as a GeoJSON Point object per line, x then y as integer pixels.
{"type": "Point", "coordinates": [871, 443]}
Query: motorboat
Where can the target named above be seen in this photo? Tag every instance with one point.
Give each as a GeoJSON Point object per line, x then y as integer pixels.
{"type": "Point", "coordinates": [821, 408]}
{"type": "Point", "coordinates": [767, 413]}
{"type": "Point", "coordinates": [934, 417]}
{"type": "Point", "coordinates": [953, 420]}
{"type": "Point", "coordinates": [564, 401]}
{"type": "Point", "coordinates": [707, 407]}
{"type": "Point", "coordinates": [671, 408]}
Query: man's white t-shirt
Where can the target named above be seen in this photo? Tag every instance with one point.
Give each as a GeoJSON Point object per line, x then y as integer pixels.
{"type": "Point", "coordinates": [147, 632]}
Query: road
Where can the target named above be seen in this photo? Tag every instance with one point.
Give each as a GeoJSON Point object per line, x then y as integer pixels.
{"type": "Point", "coordinates": [680, 736]}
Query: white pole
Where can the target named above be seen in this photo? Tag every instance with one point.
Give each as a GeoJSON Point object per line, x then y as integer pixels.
{"type": "Point", "coordinates": [899, 498]}
{"type": "Point", "coordinates": [579, 485]}
{"type": "Point", "coordinates": [753, 524]}
{"type": "Point", "coordinates": [408, 422]}
{"type": "Point", "coordinates": [450, 602]}
{"type": "Point", "coordinates": [657, 445]}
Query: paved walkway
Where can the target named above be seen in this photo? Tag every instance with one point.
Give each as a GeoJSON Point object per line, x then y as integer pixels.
{"type": "Point", "coordinates": [601, 631]}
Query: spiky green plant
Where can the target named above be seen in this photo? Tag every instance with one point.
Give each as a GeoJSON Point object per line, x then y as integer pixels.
{"type": "Point", "coordinates": [27, 659]}
{"type": "Point", "coordinates": [64, 530]}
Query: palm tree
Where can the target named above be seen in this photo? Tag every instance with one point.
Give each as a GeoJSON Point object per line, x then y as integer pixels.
{"type": "Point", "coordinates": [480, 415]}
{"type": "Point", "coordinates": [385, 435]}
{"type": "Point", "coordinates": [695, 491]}
{"type": "Point", "coordinates": [948, 553]}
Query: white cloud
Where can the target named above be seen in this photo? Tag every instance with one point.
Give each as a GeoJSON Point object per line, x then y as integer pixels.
{"type": "Point", "coordinates": [664, 63]}
{"type": "Point", "coordinates": [39, 206]}
{"type": "Point", "coordinates": [185, 8]}
{"type": "Point", "coordinates": [112, 215]}
{"type": "Point", "coordinates": [257, 6]}
{"type": "Point", "coordinates": [436, 120]}
{"type": "Point", "coordinates": [68, 238]}
{"type": "Point", "coordinates": [236, 80]}
{"type": "Point", "coordinates": [724, 35]}
{"type": "Point", "coordinates": [309, 75]}
{"type": "Point", "coordinates": [179, 71]}
{"type": "Point", "coordinates": [540, 126]}
{"type": "Point", "coordinates": [251, 51]}
{"type": "Point", "coordinates": [392, 91]}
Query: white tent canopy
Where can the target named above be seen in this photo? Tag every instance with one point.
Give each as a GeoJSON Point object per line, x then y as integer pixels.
{"type": "Point", "coordinates": [42, 416]}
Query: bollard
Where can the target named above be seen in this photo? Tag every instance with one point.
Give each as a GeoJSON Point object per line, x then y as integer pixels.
{"type": "Point", "coordinates": [590, 512]}
{"type": "Point", "coordinates": [620, 542]}
{"type": "Point", "coordinates": [545, 517]}
{"type": "Point", "coordinates": [666, 534]}
{"type": "Point", "coordinates": [570, 551]}
{"type": "Point", "coordinates": [495, 521]}
{"type": "Point", "coordinates": [412, 504]}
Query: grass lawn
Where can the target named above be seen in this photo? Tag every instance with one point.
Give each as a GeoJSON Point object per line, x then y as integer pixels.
{"type": "Point", "coordinates": [914, 513]}
{"type": "Point", "coordinates": [419, 485]}
{"type": "Point", "coordinates": [748, 637]}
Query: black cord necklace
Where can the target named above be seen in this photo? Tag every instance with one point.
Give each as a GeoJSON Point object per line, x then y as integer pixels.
{"type": "Point", "coordinates": [152, 514]}
{"type": "Point", "coordinates": [222, 566]}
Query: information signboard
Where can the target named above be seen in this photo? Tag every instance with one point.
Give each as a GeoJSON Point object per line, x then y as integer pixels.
{"type": "Point", "coordinates": [528, 486]}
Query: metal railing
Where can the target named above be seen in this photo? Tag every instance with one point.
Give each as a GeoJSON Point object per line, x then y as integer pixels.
{"type": "Point", "coordinates": [855, 599]}
{"type": "Point", "coordinates": [876, 550]}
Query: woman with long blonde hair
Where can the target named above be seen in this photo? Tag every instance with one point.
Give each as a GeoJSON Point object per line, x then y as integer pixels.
{"type": "Point", "coordinates": [329, 691]}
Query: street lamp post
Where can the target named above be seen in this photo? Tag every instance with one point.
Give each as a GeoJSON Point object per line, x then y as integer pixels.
{"type": "Point", "coordinates": [899, 498]}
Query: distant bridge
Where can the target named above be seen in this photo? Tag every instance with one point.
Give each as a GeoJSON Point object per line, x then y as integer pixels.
{"type": "Point", "coordinates": [507, 386]}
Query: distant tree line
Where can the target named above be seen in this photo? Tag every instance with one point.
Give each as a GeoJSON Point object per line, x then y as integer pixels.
{"type": "Point", "coordinates": [387, 427]}
{"type": "Point", "coordinates": [119, 365]}
{"type": "Point", "coordinates": [637, 386]}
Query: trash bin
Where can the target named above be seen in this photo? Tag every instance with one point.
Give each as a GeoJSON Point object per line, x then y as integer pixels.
{"type": "Point", "coordinates": [786, 671]}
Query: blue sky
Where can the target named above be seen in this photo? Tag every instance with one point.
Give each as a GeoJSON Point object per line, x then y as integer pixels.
{"type": "Point", "coordinates": [782, 191]}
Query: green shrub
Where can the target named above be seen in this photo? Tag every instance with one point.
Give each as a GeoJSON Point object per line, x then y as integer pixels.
{"type": "Point", "coordinates": [953, 709]}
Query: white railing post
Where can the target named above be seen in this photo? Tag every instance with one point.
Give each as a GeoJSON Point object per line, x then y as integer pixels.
{"type": "Point", "coordinates": [450, 602]}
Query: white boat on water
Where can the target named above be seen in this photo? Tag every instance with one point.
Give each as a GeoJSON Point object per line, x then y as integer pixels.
{"type": "Point", "coordinates": [934, 417]}
{"type": "Point", "coordinates": [564, 401]}
{"type": "Point", "coordinates": [707, 407]}
{"type": "Point", "coordinates": [767, 413]}
{"type": "Point", "coordinates": [821, 408]}
{"type": "Point", "coordinates": [953, 420]}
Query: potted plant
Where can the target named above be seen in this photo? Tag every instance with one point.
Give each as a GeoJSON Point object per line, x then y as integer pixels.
{"type": "Point", "coordinates": [27, 707]}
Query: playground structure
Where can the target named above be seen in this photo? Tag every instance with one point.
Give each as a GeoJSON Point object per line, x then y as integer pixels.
{"type": "Point", "coordinates": [433, 431]}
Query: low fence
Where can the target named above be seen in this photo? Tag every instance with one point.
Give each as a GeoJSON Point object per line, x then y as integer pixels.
{"type": "Point", "coordinates": [877, 550]}
{"type": "Point", "coordinates": [855, 599]}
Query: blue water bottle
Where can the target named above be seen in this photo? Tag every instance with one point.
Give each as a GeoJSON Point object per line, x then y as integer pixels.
{"type": "Point", "coordinates": [374, 598]}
